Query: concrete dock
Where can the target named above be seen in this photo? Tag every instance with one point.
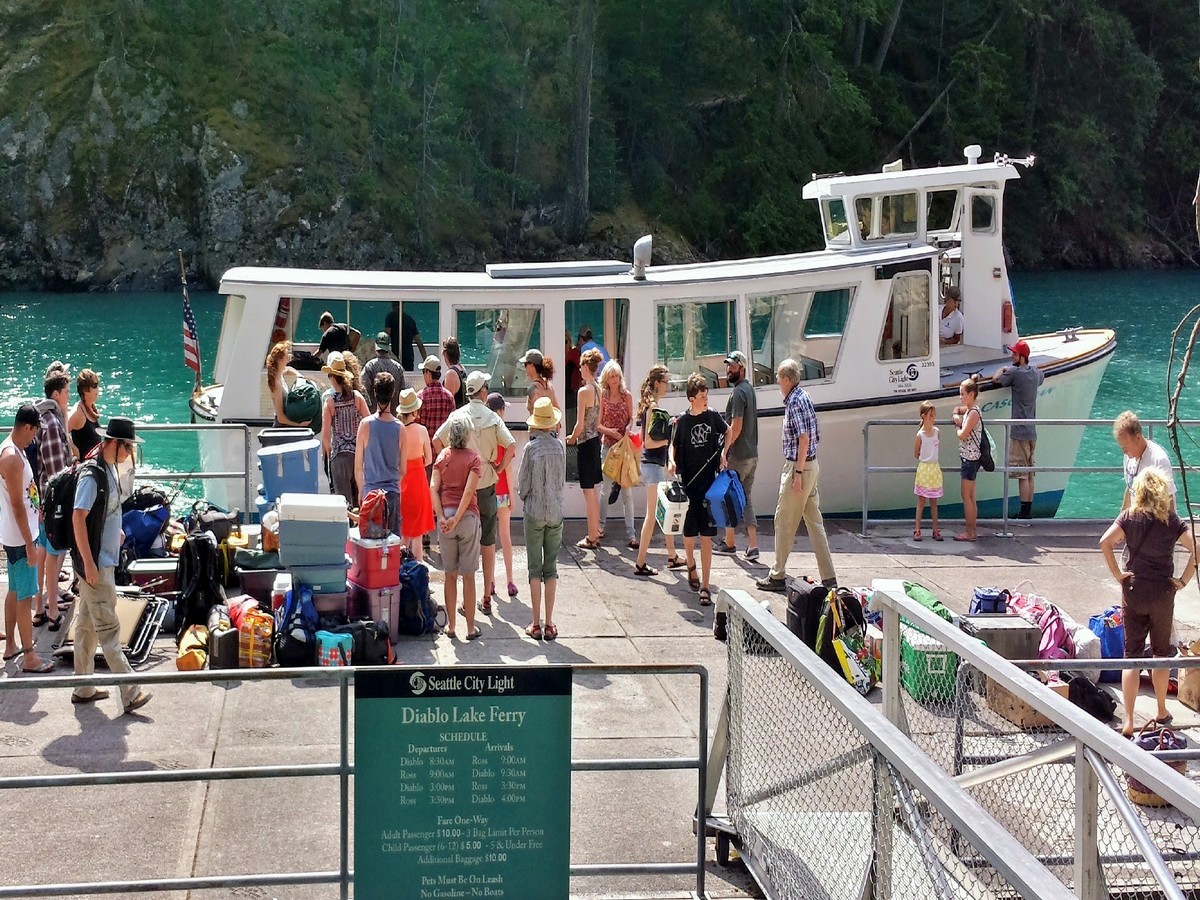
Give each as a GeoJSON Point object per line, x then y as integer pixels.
{"type": "Point", "coordinates": [605, 614]}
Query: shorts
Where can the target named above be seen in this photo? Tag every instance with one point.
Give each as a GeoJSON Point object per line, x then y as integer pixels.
{"type": "Point", "coordinates": [653, 473]}
{"type": "Point", "coordinates": [745, 469]}
{"type": "Point", "coordinates": [1148, 610]}
{"type": "Point", "coordinates": [504, 501]}
{"type": "Point", "coordinates": [969, 468]}
{"type": "Point", "coordinates": [696, 522]}
{"type": "Point", "coordinates": [44, 542]}
{"type": "Point", "coordinates": [460, 548]}
{"type": "Point", "coordinates": [22, 577]}
{"type": "Point", "coordinates": [590, 473]}
{"type": "Point", "coordinates": [1020, 453]}
{"type": "Point", "coordinates": [488, 520]}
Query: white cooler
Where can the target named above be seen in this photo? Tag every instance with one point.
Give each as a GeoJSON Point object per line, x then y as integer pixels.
{"type": "Point", "coordinates": [670, 509]}
{"type": "Point", "coordinates": [313, 529]}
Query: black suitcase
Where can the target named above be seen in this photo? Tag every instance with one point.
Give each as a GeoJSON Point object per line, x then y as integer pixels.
{"type": "Point", "coordinates": [223, 648]}
{"type": "Point", "coordinates": [804, 602]}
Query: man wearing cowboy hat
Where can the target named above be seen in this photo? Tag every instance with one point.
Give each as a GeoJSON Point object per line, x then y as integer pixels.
{"type": "Point", "coordinates": [540, 482]}
{"type": "Point", "coordinates": [97, 524]}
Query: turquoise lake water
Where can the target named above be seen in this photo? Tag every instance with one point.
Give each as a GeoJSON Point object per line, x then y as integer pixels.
{"type": "Point", "coordinates": [134, 341]}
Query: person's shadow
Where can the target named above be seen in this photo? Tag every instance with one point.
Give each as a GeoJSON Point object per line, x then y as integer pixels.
{"type": "Point", "coordinates": [102, 742]}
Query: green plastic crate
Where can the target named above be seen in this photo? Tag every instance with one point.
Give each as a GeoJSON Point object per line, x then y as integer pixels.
{"type": "Point", "coordinates": [927, 668]}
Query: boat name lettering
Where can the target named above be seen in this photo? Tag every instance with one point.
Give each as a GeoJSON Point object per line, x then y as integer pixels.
{"type": "Point", "coordinates": [1006, 402]}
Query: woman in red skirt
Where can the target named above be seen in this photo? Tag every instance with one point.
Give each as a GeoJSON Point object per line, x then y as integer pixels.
{"type": "Point", "coordinates": [416, 504]}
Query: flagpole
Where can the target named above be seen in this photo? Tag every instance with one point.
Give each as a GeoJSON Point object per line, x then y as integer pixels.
{"type": "Point", "coordinates": [187, 300]}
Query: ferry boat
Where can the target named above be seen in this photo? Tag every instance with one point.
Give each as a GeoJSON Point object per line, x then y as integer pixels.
{"type": "Point", "coordinates": [861, 317]}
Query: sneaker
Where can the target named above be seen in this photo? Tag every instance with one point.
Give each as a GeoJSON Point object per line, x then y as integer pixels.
{"type": "Point", "coordinates": [614, 494]}
{"type": "Point", "coordinates": [725, 548]}
{"type": "Point", "coordinates": [751, 554]}
{"type": "Point", "coordinates": [775, 585]}
{"type": "Point", "coordinates": [138, 702]}
{"type": "Point", "coordinates": [720, 626]}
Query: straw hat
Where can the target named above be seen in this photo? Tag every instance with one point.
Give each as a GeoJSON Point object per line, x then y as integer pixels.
{"type": "Point", "coordinates": [409, 401]}
{"type": "Point", "coordinates": [545, 417]}
{"type": "Point", "coordinates": [336, 365]}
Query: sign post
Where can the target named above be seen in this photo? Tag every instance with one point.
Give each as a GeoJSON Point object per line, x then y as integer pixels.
{"type": "Point", "coordinates": [462, 783]}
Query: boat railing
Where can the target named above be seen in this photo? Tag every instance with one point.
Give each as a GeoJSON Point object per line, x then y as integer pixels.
{"type": "Point", "coordinates": [1000, 454]}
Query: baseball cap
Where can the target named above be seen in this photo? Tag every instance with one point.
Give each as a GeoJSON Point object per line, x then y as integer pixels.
{"type": "Point", "coordinates": [1020, 348]}
{"type": "Point", "coordinates": [383, 341]}
{"type": "Point", "coordinates": [736, 357]}
{"type": "Point", "coordinates": [27, 415]}
{"type": "Point", "coordinates": [431, 364]}
{"type": "Point", "coordinates": [532, 356]}
{"type": "Point", "coordinates": [475, 381]}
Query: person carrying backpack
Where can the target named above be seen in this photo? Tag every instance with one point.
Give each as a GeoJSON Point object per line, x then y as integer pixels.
{"type": "Point", "coordinates": [97, 530]}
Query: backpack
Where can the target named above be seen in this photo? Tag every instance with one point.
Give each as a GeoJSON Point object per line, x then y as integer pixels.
{"type": "Point", "coordinates": [145, 497]}
{"type": "Point", "coordinates": [374, 515]}
{"type": "Point", "coordinates": [1056, 639]}
{"type": "Point", "coordinates": [1089, 697]}
{"type": "Point", "coordinates": [985, 449]}
{"type": "Point", "coordinates": [58, 507]}
{"type": "Point", "coordinates": [296, 629]}
{"type": "Point", "coordinates": [199, 587]}
{"type": "Point", "coordinates": [302, 402]}
{"type": "Point", "coordinates": [418, 612]}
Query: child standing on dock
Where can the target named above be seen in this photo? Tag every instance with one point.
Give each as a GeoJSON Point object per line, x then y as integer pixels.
{"type": "Point", "coordinates": [928, 484]}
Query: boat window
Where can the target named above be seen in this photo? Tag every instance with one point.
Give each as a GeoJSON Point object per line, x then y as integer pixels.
{"type": "Point", "coordinates": [415, 320]}
{"type": "Point", "coordinates": [898, 215]}
{"type": "Point", "coordinates": [806, 326]}
{"type": "Point", "coordinates": [696, 336]}
{"type": "Point", "coordinates": [864, 210]}
{"type": "Point", "coordinates": [943, 208]}
{"type": "Point", "coordinates": [837, 229]}
{"type": "Point", "coordinates": [906, 328]}
{"type": "Point", "coordinates": [983, 213]}
{"type": "Point", "coordinates": [492, 340]}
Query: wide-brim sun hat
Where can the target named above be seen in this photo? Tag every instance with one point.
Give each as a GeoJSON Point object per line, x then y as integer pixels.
{"type": "Point", "coordinates": [409, 401]}
{"type": "Point", "coordinates": [120, 429]}
{"type": "Point", "coordinates": [545, 415]}
{"type": "Point", "coordinates": [336, 364]}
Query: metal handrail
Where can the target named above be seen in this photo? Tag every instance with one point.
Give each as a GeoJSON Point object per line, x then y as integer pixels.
{"type": "Point", "coordinates": [890, 598]}
{"type": "Point", "coordinates": [1001, 457]}
{"type": "Point", "coordinates": [344, 875]}
{"type": "Point", "coordinates": [961, 810]}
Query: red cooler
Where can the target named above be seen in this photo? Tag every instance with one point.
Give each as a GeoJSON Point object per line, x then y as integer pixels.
{"type": "Point", "coordinates": [374, 563]}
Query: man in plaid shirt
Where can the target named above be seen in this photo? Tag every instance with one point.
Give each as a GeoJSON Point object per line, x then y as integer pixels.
{"type": "Point", "coordinates": [799, 499]}
{"type": "Point", "coordinates": [436, 402]}
{"type": "Point", "coordinates": [54, 455]}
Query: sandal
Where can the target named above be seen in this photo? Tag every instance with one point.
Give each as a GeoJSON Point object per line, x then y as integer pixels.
{"type": "Point", "coordinates": [587, 544]}
{"type": "Point", "coordinates": [705, 597]}
{"type": "Point", "coordinates": [56, 623]}
{"type": "Point", "coordinates": [486, 606]}
{"type": "Point", "coordinates": [937, 535]}
{"type": "Point", "coordinates": [675, 562]}
{"type": "Point", "coordinates": [46, 666]}
{"type": "Point", "coordinates": [1165, 720]}
{"type": "Point", "coordinates": [512, 589]}
{"type": "Point", "coordinates": [633, 544]}
{"type": "Point", "coordinates": [449, 632]}
{"type": "Point", "coordinates": [644, 570]}
{"type": "Point", "coordinates": [40, 619]}
{"type": "Point", "coordinates": [693, 578]}
{"type": "Point", "coordinates": [550, 632]}
{"type": "Point", "coordinates": [477, 633]}
{"type": "Point", "coordinates": [917, 535]}
{"type": "Point", "coordinates": [534, 631]}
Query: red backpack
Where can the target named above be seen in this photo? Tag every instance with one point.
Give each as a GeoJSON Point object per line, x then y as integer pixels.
{"type": "Point", "coordinates": [373, 515]}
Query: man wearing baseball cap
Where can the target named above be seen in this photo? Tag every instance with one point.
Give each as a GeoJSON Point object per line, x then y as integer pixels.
{"type": "Point", "coordinates": [383, 361]}
{"type": "Point", "coordinates": [741, 446]}
{"type": "Point", "coordinates": [1025, 381]}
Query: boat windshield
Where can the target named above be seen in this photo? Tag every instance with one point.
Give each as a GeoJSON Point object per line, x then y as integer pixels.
{"type": "Point", "coordinates": [889, 216]}
{"type": "Point", "coordinates": [837, 228]}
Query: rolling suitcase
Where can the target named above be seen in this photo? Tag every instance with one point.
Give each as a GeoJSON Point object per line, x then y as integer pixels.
{"type": "Point", "coordinates": [804, 602]}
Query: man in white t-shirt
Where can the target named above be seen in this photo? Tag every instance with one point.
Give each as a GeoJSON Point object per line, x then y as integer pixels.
{"type": "Point", "coordinates": [1140, 453]}
{"type": "Point", "coordinates": [950, 330]}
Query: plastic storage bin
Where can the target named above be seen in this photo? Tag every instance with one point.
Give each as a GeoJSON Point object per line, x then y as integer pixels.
{"type": "Point", "coordinates": [323, 579]}
{"type": "Point", "coordinates": [290, 468]}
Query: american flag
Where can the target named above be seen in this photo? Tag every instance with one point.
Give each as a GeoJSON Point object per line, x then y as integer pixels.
{"type": "Point", "coordinates": [191, 343]}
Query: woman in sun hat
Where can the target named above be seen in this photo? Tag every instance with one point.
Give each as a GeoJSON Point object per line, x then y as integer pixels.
{"type": "Point", "coordinates": [540, 482]}
{"type": "Point", "coordinates": [344, 408]}
{"type": "Point", "coordinates": [416, 505]}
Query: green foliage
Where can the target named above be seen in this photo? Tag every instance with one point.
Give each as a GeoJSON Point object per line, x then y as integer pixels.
{"type": "Point", "coordinates": [446, 119]}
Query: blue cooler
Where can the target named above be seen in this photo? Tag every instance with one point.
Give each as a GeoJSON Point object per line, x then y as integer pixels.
{"type": "Point", "coordinates": [293, 468]}
{"type": "Point", "coordinates": [323, 579]}
{"type": "Point", "coordinates": [313, 530]}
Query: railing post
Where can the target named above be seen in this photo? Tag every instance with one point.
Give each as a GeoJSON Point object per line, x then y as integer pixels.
{"type": "Point", "coordinates": [893, 705]}
{"type": "Point", "coordinates": [246, 481]}
{"type": "Point", "coordinates": [866, 474]}
{"type": "Point", "coordinates": [1089, 877]}
{"type": "Point", "coordinates": [702, 788]}
{"type": "Point", "coordinates": [879, 871]}
{"type": "Point", "coordinates": [344, 786]}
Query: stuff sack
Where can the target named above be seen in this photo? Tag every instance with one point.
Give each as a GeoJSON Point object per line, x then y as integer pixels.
{"type": "Point", "coordinates": [726, 499]}
{"type": "Point", "coordinates": [143, 527]}
{"type": "Point", "coordinates": [1109, 627]}
{"type": "Point", "coordinates": [925, 597]}
{"type": "Point", "coordinates": [989, 601]}
{"type": "Point", "coordinates": [146, 497]}
{"type": "Point", "coordinates": [193, 650]}
{"type": "Point", "coordinates": [199, 587]}
{"type": "Point", "coordinates": [985, 449]}
{"type": "Point", "coordinates": [841, 638]}
{"type": "Point", "coordinates": [374, 515]}
{"type": "Point", "coordinates": [334, 649]}
{"type": "Point", "coordinates": [1089, 697]}
{"type": "Point", "coordinates": [302, 402]}
{"type": "Point", "coordinates": [418, 612]}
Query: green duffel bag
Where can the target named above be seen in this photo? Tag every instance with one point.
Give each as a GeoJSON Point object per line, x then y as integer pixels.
{"type": "Point", "coordinates": [256, 560]}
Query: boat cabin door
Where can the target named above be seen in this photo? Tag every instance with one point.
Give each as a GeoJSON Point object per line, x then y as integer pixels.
{"type": "Point", "coordinates": [983, 278]}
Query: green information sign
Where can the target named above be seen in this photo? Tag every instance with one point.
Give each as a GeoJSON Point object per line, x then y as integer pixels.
{"type": "Point", "coordinates": [462, 783]}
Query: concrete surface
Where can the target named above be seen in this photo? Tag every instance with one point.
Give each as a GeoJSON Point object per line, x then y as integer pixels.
{"type": "Point", "coordinates": [605, 615]}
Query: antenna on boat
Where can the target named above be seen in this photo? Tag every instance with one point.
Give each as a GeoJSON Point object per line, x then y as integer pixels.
{"type": "Point", "coordinates": [1003, 159]}
{"type": "Point", "coordinates": [642, 251]}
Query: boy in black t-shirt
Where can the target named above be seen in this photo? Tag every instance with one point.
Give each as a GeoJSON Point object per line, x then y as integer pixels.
{"type": "Point", "coordinates": [696, 457]}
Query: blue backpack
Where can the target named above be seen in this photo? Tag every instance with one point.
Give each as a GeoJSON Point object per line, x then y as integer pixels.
{"type": "Point", "coordinates": [418, 612]}
{"type": "Point", "coordinates": [296, 629]}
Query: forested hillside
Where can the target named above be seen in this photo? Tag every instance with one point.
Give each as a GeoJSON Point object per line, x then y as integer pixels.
{"type": "Point", "coordinates": [443, 133]}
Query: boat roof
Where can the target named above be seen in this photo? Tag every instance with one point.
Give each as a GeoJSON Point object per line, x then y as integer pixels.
{"type": "Point", "coordinates": [554, 276]}
{"type": "Point", "coordinates": [914, 179]}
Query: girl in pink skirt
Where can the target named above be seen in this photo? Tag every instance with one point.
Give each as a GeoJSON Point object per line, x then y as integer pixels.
{"type": "Point", "coordinates": [928, 485]}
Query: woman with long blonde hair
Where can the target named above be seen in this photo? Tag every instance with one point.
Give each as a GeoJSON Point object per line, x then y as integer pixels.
{"type": "Point", "coordinates": [655, 425]}
{"type": "Point", "coordinates": [616, 415]}
{"type": "Point", "coordinates": [1150, 529]}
